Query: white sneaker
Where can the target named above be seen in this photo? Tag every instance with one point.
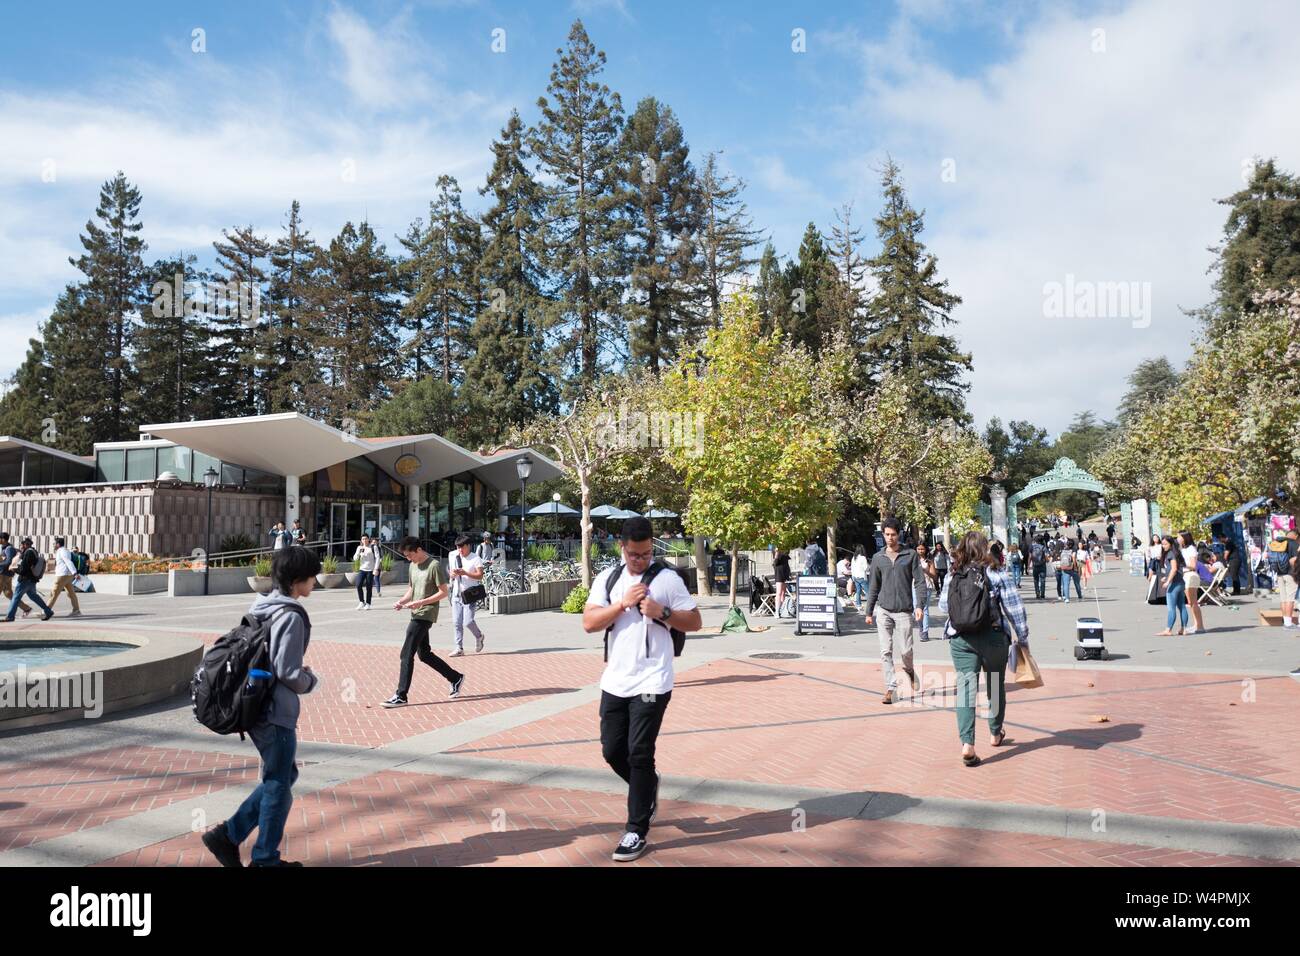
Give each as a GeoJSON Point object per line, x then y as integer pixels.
{"type": "Point", "coordinates": [361, 606]}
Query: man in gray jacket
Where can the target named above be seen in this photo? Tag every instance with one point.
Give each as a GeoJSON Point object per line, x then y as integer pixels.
{"type": "Point", "coordinates": [294, 572]}
{"type": "Point", "coordinates": [898, 583]}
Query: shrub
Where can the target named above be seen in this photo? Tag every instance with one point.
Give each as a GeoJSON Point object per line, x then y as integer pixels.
{"type": "Point", "coordinates": [329, 564]}
{"type": "Point", "coordinates": [543, 552]}
{"type": "Point", "coordinates": [576, 601]}
{"type": "Point", "coordinates": [386, 563]}
{"type": "Point", "coordinates": [262, 567]}
{"type": "Point", "coordinates": [122, 564]}
{"type": "Point", "coordinates": [237, 542]}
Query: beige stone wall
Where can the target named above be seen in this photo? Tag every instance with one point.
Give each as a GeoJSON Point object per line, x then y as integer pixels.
{"type": "Point", "coordinates": [109, 519]}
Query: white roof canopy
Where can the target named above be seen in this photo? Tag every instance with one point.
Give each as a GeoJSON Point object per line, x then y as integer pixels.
{"type": "Point", "coordinates": [293, 444]}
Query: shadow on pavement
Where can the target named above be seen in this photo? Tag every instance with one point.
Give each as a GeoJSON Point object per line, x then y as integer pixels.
{"type": "Point", "coordinates": [732, 679]}
{"type": "Point", "coordinates": [1079, 738]}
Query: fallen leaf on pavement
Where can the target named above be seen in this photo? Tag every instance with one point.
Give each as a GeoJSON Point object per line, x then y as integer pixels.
{"type": "Point", "coordinates": [1099, 719]}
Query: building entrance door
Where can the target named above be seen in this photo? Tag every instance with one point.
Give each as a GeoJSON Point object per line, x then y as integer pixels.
{"type": "Point", "coordinates": [370, 520]}
{"type": "Point", "coordinates": [338, 530]}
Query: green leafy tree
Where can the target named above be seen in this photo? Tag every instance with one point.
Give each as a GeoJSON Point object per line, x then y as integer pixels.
{"type": "Point", "coordinates": [771, 296]}
{"type": "Point", "coordinates": [759, 474]}
{"type": "Point", "coordinates": [1153, 380]}
{"type": "Point", "coordinates": [25, 406]}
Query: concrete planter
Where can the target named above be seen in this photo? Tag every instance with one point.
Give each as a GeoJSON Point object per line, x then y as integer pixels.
{"type": "Point", "coordinates": [186, 583]}
{"type": "Point", "coordinates": [331, 580]}
{"type": "Point", "coordinates": [388, 577]}
{"type": "Point", "coordinates": [130, 583]}
{"type": "Point", "coordinates": [549, 594]}
{"type": "Point", "coordinates": [261, 585]}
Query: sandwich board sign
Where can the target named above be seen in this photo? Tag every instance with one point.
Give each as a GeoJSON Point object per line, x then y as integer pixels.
{"type": "Point", "coordinates": [815, 606]}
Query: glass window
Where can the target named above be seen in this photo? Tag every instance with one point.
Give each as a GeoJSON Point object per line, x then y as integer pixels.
{"type": "Point", "coordinates": [11, 467]}
{"type": "Point", "coordinates": [462, 505]}
{"type": "Point", "coordinates": [112, 465]}
{"type": "Point", "coordinates": [439, 511]}
{"type": "Point", "coordinates": [361, 478]}
{"type": "Point", "coordinates": [141, 464]}
{"type": "Point", "coordinates": [232, 475]}
{"type": "Point", "coordinates": [264, 481]}
{"type": "Point", "coordinates": [177, 460]}
{"type": "Point", "coordinates": [201, 464]}
{"type": "Point", "coordinates": [61, 469]}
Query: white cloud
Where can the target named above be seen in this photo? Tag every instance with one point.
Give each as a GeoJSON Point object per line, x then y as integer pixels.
{"type": "Point", "coordinates": [1103, 165]}
{"type": "Point", "coordinates": [381, 66]}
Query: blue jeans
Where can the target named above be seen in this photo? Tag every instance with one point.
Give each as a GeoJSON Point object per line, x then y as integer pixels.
{"type": "Point", "coordinates": [859, 590]}
{"type": "Point", "coordinates": [267, 807]}
{"type": "Point", "coordinates": [1016, 573]}
{"type": "Point", "coordinates": [1063, 583]}
{"type": "Point", "coordinates": [26, 589]}
{"type": "Point", "coordinates": [1176, 602]}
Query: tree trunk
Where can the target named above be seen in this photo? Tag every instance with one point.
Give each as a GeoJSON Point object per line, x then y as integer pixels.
{"type": "Point", "coordinates": [703, 582]}
{"type": "Point", "coordinates": [586, 530]}
{"type": "Point", "coordinates": [831, 557]}
{"type": "Point", "coordinates": [947, 536]}
{"type": "Point", "coordinates": [735, 572]}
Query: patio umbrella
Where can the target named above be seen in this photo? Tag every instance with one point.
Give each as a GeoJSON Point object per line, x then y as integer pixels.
{"type": "Point", "coordinates": [660, 513]}
{"type": "Point", "coordinates": [553, 508]}
{"type": "Point", "coordinates": [606, 511]}
{"type": "Point", "coordinates": [511, 512]}
{"type": "Point", "coordinates": [625, 513]}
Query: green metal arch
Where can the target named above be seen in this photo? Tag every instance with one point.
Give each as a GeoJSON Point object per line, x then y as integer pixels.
{"type": "Point", "coordinates": [1065, 475]}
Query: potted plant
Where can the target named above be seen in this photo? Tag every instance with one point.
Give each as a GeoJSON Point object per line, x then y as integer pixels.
{"type": "Point", "coordinates": [386, 573]}
{"type": "Point", "coordinates": [329, 576]}
{"type": "Point", "coordinates": [261, 580]}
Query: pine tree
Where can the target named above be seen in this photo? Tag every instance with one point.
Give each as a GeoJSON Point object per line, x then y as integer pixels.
{"type": "Point", "coordinates": [112, 293]}
{"type": "Point", "coordinates": [726, 235]}
{"type": "Point", "coordinates": [80, 396]}
{"type": "Point", "coordinates": [846, 302]}
{"type": "Point", "coordinates": [25, 406]}
{"type": "Point", "coordinates": [771, 296]}
{"type": "Point", "coordinates": [576, 144]}
{"type": "Point", "coordinates": [1262, 234]}
{"type": "Point", "coordinates": [235, 320]}
{"type": "Point", "coordinates": [910, 309]}
{"type": "Point", "coordinates": [1152, 381]}
{"type": "Point", "coordinates": [809, 283]}
{"type": "Point", "coordinates": [358, 314]}
{"type": "Point", "coordinates": [663, 215]}
{"type": "Point", "coordinates": [508, 365]}
{"type": "Point", "coordinates": [292, 327]}
{"type": "Point", "coordinates": [171, 347]}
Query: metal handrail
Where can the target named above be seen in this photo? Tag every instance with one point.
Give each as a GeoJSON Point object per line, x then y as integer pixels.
{"type": "Point", "coordinates": [219, 558]}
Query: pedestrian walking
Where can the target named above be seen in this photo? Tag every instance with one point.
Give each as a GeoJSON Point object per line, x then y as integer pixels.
{"type": "Point", "coordinates": [266, 809]}
{"type": "Point", "coordinates": [7, 570]}
{"type": "Point", "coordinates": [859, 569]}
{"type": "Point", "coordinates": [1038, 558]}
{"type": "Point", "coordinates": [985, 614]}
{"type": "Point", "coordinates": [898, 583]}
{"type": "Point", "coordinates": [427, 588]}
{"type": "Point", "coordinates": [466, 571]}
{"type": "Point", "coordinates": [1288, 581]}
{"type": "Point", "coordinates": [65, 571]}
{"type": "Point", "coordinates": [1067, 569]}
{"type": "Point", "coordinates": [637, 604]}
{"type": "Point", "coordinates": [29, 573]}
{"type": "Point", "coordinates": [930, 579]}
{"type": "Point", "coordinates": [940, 563]}
{"type": "Point", "coordinates": [484, 550]}
{"type": "Point", "coordinates": [1017, 562]}
{"type": "Point", "coordinates": [1173, 566]}
{"type": "Point", "coordinates": [366, 561]}
{"type": "Point", "coordinates": [1191, 580]}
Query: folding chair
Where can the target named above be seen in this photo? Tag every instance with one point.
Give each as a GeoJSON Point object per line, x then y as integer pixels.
{"type": "Point", "coordinates": [1214, 593]}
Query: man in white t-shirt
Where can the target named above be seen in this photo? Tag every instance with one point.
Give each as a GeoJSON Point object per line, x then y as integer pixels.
{"type": "Point", "coordinates": [638, 679]}
{"type": "Point", "coordinates": [465, 570]}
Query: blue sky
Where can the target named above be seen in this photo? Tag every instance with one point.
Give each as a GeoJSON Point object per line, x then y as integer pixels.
{"type": "Point", "coordinates": [1048, 144]}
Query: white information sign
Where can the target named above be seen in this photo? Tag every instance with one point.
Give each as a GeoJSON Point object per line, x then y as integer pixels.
{"type": "Point", "coordinates": [815, 609]}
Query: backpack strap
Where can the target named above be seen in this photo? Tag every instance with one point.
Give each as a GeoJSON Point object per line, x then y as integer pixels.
{"type": "Point", "coordinates": [609, 591]}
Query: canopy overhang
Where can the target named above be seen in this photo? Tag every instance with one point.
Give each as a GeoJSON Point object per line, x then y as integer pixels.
{"type": "Point", "coordinates": [291, 444]}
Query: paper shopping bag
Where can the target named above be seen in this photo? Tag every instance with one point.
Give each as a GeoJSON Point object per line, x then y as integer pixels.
{"type": "Point", "coordinates": [1027, 672]}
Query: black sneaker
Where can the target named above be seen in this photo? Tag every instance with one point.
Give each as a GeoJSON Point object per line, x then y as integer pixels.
{"type": "Point", "coordinates": [223, 848]}
{"type": "Point", "coordinates": [395, 701]}
{"type": "Point", "coordinates": [629, 848]}
{"type": "Point", "coordinates": [456, 685]}
{"type": "Point", "coordinates": [278, 863]}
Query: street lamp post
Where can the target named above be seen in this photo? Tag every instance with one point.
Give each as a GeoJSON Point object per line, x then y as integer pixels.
{"type": "Point", "coordinates": [210, 480]}
{"type": "Point", "coordinates": [524, 468]}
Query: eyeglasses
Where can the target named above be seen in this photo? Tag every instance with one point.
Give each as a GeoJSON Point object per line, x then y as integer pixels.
{"type": "Point", "coordinates": [639, 555]}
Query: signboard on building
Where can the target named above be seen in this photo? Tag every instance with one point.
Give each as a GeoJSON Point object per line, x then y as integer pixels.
{"type": "Point", "coordinates": [815, 606]}
{"type": "Point", "coordinates": [406, 466]}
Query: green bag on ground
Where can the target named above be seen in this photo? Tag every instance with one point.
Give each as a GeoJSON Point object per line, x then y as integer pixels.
{"type": "Point", "coordinates": [735, 622]}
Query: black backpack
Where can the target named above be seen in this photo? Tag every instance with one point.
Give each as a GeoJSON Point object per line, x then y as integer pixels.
{"type": "Point", "coordinates": [970, 601]}
{"type": "Point", "coordinates": [223, 698]}
{"type": "Point", "coordinates": [679, 637]}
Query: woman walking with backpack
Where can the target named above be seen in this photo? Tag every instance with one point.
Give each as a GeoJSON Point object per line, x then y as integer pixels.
{"type": "Point", "coordinates": [985, 614]}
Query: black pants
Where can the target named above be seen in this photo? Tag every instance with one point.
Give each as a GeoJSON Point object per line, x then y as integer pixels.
{"type": "Point", "coordinates": [629, 727]}
{"type": "Point", "coordinates": [365, 585]}
{"type": "Point", "coordinates": [1040, 581]}
{"type": "Point", "coordinates": [417, 645]}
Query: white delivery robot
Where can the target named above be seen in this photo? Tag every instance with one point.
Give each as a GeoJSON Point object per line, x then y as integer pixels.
{"type": "Point", "coordinates": [1090, 640]}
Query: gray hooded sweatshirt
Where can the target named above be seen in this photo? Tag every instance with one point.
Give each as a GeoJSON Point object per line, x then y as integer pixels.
{"type": "Point", "coordinates": [289, 637]}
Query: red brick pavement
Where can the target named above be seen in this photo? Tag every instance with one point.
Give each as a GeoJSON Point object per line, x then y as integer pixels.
{"type": "Point", "coordinates": [763, 722]}
{"type": "Point", "coordinates": [48, 798]}
{"type": "Point", "coordinates": [401, 819]}
{"type": "Point", "coordinates": [355, 678]}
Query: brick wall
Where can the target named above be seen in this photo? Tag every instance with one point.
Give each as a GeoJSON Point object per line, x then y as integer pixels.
{"type": "Point", "coordinates": [115, 518]}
